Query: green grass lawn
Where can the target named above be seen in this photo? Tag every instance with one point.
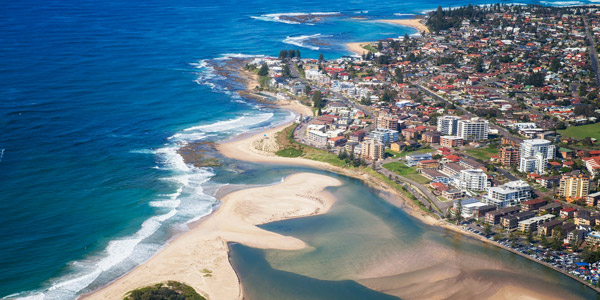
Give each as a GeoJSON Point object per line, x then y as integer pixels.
{"type": "Point", "coordinates": [581, 132]}
{"type": "Point", "coordinates": [406, 171]}
{"type": "Point", "coordinates": [402, 154]}
{"type": "Point", "coordinates": [483, 153]}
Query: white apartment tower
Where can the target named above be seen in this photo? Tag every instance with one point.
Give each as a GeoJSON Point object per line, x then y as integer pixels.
{"type": "Point", "coordinates": [447, 125]}
{"type": "Point", "coordinates": [475, 129]}
{"type": "Point", "coordinates": [535, 155]}
{"type": "Point", "coordinates": [473, 180]}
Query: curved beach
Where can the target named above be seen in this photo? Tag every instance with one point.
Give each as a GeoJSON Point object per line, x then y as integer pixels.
{"type": "Point", "coordinates": [199, 257]}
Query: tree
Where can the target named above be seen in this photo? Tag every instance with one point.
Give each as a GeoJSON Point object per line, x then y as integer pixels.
{"type": "Point", "coordinates": [487, 229]}
{"type": "Point", "coordinates": [283, 54]}
{"type": "Point", "coordinates": [555, 65]}
{"type": "Point", "coordinates": [379, 46]}
{"type": "Point", "coordinates": [307, 89]}
{"type": "Point", "coordinates": [459, 211]}
{"type": "Point", "coordinates": [321, 58]}
{"type": "Point", "coordinates": [530, 237]}
{"type": "Point", "coordinates": [286, 71]}
{"type": "Point", "coordinates": [291, 53]}
{"type": "Point", "coordinates": [298, 54]}
{"type": "Point", "coordinates": [398, 76]}
{"type": "Point", "coordinates": [264, 70]}
{"type": "Point", "coordinates": [317, 99]}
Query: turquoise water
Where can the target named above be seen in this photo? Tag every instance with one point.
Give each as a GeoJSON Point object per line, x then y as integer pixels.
{"type": "Point", "coordinates": [97, 96]}
{"type": "Point", "coordinates": [363, 231]}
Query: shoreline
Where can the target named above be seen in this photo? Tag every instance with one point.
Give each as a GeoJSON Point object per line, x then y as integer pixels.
{"type": "Point", "coordinates": [200, 256]}
{"type": "Point", "coordinates": [414, 23]}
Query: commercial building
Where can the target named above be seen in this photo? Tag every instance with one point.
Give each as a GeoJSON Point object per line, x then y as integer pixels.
{"type": "Point", "coordinates": [475, 129]}
{"type": "Point", "coordinates": [574, 186]}
{"type": "Point", "coordinates": [534, 155]}
{"type": "Point", "coordinates": [472, 180]}
{"type": "Point", "coordinates": [509, 194]}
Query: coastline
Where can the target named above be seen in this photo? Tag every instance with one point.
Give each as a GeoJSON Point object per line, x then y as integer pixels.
{"type": "Point", "coordinates": [200, 256]}
{"type": "Point", "coordinates": [414, 23]}
{"type": "Point", "coordinates": [357, 48]}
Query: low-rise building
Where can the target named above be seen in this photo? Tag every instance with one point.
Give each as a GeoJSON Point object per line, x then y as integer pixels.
{"type": "Point", "coordinates": [530, 225]}
{"type": "Point", "coordinates": [511, 222]}
{"type": "Point", "coordinates": [432, 137]}
{"type": "Point", "coordinates": [551, 208]}
{"type": "Point", "coordinates": [533, 204]}
{"type": "Point", "coordinates": [428, 164]}
{"type": "Point", "coordinates": [592, 199]}
{"type": "Point", "coordinates": [546, 228]}
{"type": "Point", "coordinates": [451, 141]}
{"type": "Point", "coordinates": [412, 160]}
{"type": "Point", "coordinates": [493, 217]}
{"type": "Point", "coordinates": [593, 238]}
{"type": "Point", "coordinates": [509, 194]}
{"type": "Point", "coordinates": [318, 138]}
{"type": "Point", "coordinates": [453, 194]}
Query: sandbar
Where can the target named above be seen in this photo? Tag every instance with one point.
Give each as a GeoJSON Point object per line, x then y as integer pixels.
{"type": "Point", "coordinates": [199, 257]}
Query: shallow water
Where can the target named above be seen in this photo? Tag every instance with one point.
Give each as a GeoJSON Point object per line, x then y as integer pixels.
{"type": "Point", "coordinates": [366, 239]}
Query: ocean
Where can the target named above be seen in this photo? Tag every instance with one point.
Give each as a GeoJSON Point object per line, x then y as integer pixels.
{"type": "Point", "coordinates": [96, 98]}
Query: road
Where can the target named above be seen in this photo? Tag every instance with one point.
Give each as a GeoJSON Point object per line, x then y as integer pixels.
{"type": "Point", "coordinates": [593, 54]}
{"type": "Point", "coordinates": [424, 195]}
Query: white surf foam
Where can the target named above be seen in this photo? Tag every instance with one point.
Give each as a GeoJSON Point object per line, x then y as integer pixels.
{"type": "Point", "coordinates": [243, 122]}
{"type": "Point", "coordinates": [300, 40]}
{"type": "Point", "coordinates": [277, 17]}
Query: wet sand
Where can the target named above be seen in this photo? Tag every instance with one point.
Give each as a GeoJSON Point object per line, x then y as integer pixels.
{"type": "Point", "coordinates": [199, 257]}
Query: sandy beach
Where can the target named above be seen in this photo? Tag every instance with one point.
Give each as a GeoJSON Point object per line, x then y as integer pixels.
{"type": "Point", "coordinates": [414, 23]}
{"type": "Point", "coordinates": [357, 48]}
{"type": "Point", "coordinates": [199, 257]}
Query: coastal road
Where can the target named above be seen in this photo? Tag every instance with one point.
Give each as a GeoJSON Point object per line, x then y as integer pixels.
{"type": "Point", "coordinates": [424, 195]}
